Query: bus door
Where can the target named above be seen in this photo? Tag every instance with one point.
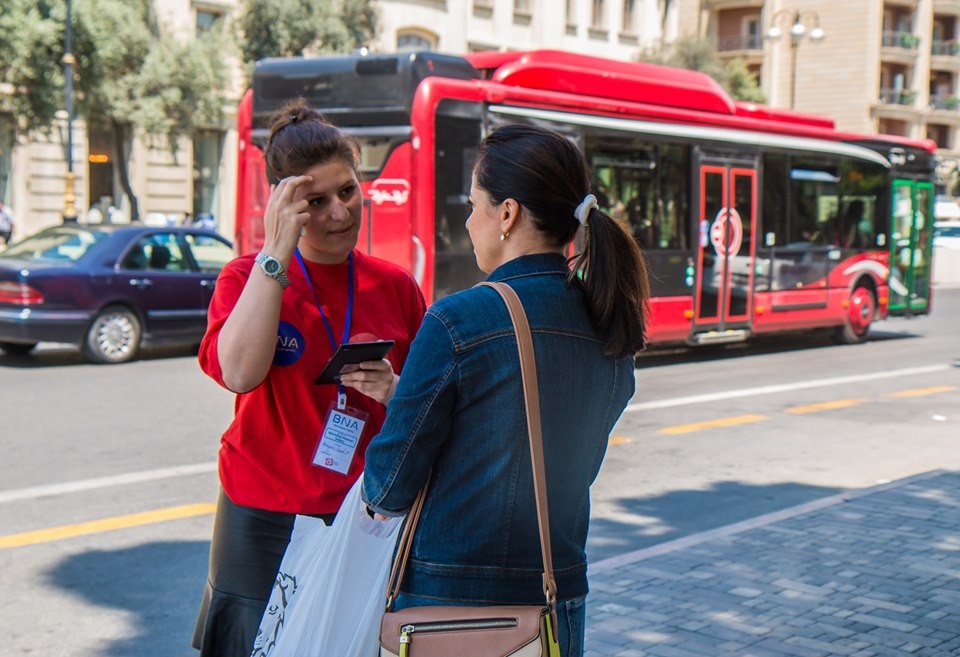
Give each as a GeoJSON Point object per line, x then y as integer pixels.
{"type": "Point", "coordinates": [726, 252]}
{"type": "Point", "coordinates": [911, 246]}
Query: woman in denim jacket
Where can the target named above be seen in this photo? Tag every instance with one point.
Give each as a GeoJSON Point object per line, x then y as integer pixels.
{"type": "Point", "coordinates": [459, 408]}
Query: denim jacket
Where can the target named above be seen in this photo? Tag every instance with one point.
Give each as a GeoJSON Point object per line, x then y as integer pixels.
{"type": "Point", "coordinates": [458, 410]}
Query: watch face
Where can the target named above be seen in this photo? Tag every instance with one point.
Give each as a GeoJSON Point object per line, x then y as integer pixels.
{"type": "Point", "coordinates": [271, 266]}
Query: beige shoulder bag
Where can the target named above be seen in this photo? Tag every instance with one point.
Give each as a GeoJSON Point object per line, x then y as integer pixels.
{"type": "Point", "coordinates": [501, 631]}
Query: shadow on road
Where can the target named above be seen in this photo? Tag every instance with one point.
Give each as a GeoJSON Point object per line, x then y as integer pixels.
{"type": "Point", "coordinates": [158, 584]}
{"type": "Point", "coordinates": [641, 522]}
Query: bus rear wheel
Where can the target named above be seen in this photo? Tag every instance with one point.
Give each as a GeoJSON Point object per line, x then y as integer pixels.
{"type": "Point", "coordinates": [860, 314]}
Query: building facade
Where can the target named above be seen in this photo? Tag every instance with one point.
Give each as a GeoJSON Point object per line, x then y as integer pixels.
{"type": "Point", "coordinates": [200, 179]}
{"type": "Point", "coordinates": [887, 66]}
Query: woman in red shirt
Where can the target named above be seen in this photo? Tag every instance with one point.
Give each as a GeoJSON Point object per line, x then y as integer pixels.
{"type": "Point", "coordinates": [275, 320]}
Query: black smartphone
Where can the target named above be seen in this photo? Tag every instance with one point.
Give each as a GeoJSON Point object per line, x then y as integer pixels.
{"type": "Point", "coordinates": [352, 353]}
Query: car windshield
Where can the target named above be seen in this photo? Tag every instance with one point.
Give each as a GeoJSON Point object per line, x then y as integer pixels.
{"type": "Point", "coordinates": [59, 244]}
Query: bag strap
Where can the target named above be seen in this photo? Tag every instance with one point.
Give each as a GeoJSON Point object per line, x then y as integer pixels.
{"type": "Point", "coordinates": [531, 395]}
{"type": "Point", "coordinates": [404, 545]}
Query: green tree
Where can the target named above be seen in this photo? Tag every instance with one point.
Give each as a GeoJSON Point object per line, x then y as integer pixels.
{"type": "Point", "coordinates": [268, 28]}
{"type": "Point", "coordinates": [128, 78]}
{"type": "Point", "coordinates": [701, 55]}
{"type": "Point", "coordinates": [30, 64]}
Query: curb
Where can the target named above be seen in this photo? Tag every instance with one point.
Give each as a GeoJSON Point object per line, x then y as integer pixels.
{"type": "Point", "coordinates": [611, 563]}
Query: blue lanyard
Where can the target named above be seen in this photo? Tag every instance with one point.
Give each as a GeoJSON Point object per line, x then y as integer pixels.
{"type": "Point", "coordinates": [342, 395]}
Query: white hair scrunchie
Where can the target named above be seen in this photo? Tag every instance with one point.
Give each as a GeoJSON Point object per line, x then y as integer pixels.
{"type": "Point", "coordinates": [582, 213]}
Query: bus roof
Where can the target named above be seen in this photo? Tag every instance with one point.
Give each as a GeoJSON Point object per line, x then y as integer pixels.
{"type": "Point", "coordinates": [557, 70]}
{"type": "Point", "coordinates": [379, 89]}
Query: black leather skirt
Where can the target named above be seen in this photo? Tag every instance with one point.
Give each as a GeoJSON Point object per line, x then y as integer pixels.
{"type": "Point", "coordinates": [245, 554]}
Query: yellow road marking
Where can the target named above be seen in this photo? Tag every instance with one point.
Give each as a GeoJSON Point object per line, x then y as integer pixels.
{"type": "Point", "coordinates": [105, 525]}
{"type": "Point", "coordinates": [825, 406]}
{"type": "Point", "coordinates": [917, 392]}
{"type": "Point", "coordinates": [619, 440]}
{"type": "Point", "coordinates": [713, 424]}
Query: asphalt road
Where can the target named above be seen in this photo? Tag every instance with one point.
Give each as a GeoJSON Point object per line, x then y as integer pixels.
{"type": "Point", "coordinates": [108, 480]}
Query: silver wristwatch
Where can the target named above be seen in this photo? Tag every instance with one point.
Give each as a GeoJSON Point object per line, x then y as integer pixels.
{"type": "Point", "coordinates": [272, 268]}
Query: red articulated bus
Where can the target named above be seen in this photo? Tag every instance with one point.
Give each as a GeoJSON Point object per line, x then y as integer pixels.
{"type": "Point", "coordinates": [753, 220]}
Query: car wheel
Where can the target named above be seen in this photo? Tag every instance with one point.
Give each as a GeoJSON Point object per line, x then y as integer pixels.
{"type": "Point", "coordinates": [18, 348]}
{"type": "Point", "coordinates": [113, 337]}
{"type": "Point", "coordinates": [863, 307]}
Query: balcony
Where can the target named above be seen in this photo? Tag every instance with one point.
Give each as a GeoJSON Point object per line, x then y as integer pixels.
{"type": "Point", "coordinates": [897, 105]}
{"type": "Point", "coordinates": [739, 42]}
{"type": "Point", "coordinates": [943, 55]}
{"type": "Point", "coordinates": [898, 96]}
{"type": "Point", "coordinates": [945, 48]}
{"type": "Point", "coordinates": [899, 47]}
{"type": "Point", "coordinates": [948, 103]}
{"type": "Point", "coordinates": [904, 40]}
{"type": "Point", "coordinates": [748, 47]}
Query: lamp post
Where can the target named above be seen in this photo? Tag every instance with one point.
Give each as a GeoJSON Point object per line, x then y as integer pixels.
{"type": "Point", "coordinates": [804, 23]}
{"type": "Point", "coordinates": [69, 194]}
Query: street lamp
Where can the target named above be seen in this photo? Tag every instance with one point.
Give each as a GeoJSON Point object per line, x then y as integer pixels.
{"type": "Point", "coordinates": [804, 24]}
{"type": "Point", "coordinates": [69, 194]}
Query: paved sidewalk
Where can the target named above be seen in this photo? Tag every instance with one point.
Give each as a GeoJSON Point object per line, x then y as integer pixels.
{"type": "Point", "coordinates": [869, 573]}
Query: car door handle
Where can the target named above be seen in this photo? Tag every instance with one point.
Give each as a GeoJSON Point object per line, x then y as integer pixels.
{"type": "Point", "coordinates": [207, 283]}
{"type": "Point", "coordinates": [141, 282]}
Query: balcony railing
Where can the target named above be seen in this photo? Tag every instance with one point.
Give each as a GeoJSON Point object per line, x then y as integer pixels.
{"type": "Point", "coordinates": [897, 96]}
{"type": "Point", "coordinates": [740, 42]}
{"type": "Point", "coordinates": [906, 40]}
{"type": "Point", "coordinates": [944, 102]}
{"type": "Point", "coordinates": [944, 48]}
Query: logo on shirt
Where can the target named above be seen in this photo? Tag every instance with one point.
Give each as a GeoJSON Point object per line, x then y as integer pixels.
{"type": "Point", "coordinates": [290, 345]}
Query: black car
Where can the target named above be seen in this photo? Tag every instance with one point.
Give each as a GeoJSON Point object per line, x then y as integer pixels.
{"type": "Point", "coordinates": [108, 289]}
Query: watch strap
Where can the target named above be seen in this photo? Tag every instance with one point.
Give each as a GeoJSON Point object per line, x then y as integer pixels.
{"type": "Point", "coordinates": [280, 276]}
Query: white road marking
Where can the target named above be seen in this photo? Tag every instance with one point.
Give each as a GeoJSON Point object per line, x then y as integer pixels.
{"type": "Point", "coordinates": [35, 492]}
{"type": "Point", "coordinates": [103, 482]}
{"type": "Point", "coordinates": [783, 387]}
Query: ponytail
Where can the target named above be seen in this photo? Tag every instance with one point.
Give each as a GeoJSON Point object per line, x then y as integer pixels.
{"type": "Point", "coordinates": [547, 174]}
{"type": "Point", "coordinates": [613, 273]}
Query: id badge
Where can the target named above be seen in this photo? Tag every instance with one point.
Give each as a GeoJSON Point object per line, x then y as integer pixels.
{"type": "Point", "coordinates": [340, 438]}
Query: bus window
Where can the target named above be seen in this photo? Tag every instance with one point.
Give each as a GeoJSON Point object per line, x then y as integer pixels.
{"type": "Point", "coordinates": [671, 205]}
{"type": "Point", "coordinates": [774, 200]}
{"type": "Point", "coordinates": [814, 195]}
{"type": "Point", "coordinates": [373, 155]}
{"type": "Point", "coordinates": [455, 267]}
{"type": "Point", "coordinates": [645, 187]}
{"type": "Point", "coordinates": [863, 217]}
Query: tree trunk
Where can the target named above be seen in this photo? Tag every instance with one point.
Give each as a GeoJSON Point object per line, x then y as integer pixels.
{"type": "Point", "coordinates": [120, 133]}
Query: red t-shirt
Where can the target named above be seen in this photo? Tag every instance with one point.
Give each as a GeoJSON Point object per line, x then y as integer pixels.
{"type": "Point", "coordinates": [266, 454]}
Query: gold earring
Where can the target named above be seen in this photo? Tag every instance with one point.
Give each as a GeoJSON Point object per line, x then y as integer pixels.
{"type": "Point", "coordinates": [504, 236]}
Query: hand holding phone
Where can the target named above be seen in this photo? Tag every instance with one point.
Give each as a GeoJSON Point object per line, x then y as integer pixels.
{"type": "Point", "coordinates": [352, 353]}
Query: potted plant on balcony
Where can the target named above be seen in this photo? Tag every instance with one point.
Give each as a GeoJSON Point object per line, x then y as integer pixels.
{"type": "Point", "coordinates": [951, 102]}
{"type": "Point", "coordinates": [909, 41]}
{"type": "Point", "coordinates": [907, 96]}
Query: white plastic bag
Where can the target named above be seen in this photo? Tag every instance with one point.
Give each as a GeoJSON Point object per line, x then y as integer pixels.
{"type": "Point", "coordinates": [329, 594]}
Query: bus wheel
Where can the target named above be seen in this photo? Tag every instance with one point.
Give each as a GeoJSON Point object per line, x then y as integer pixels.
{"type": "Point", "coordinates": [863, 307]}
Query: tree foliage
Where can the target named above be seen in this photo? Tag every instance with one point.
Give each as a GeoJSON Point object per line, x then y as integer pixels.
{"type": "Point", "coordinates": [285, 29]}
{"type": "Point", "coordinates": [128, 76]}
{"type": "Point", "coordinates": [701, 55]}
{"type": "Point", "coordinates": [30, 63]}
